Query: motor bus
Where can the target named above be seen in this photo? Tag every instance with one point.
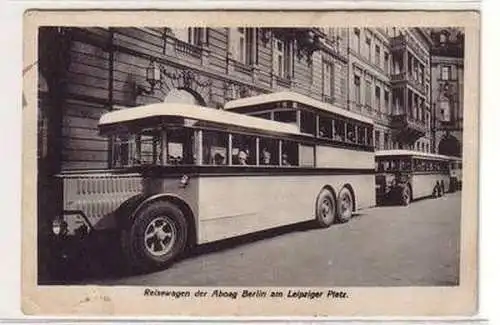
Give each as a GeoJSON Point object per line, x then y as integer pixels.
{"type": "Point", "coordinates": [455, 174]}
{"type": "Point", "coordinates": [182, 175]}
{"type": "Point", "coordinates": [405, 175]}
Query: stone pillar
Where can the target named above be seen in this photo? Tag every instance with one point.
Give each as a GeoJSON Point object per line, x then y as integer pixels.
{"type": "Point", "coordinates": [205, 56]}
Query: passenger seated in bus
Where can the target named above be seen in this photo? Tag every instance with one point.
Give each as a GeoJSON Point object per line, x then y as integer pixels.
{"type": "Point", "coordinates": [266, 157]}
{"type": "Point", "coordinates": [350, 136]}
{"type": "Point", "coordinates": [218, 159]}
{"type": "Point", "coordinates": [337, 137]}
{"type": "Point", "coordinates": [322, 132]}
{"type": "Point", "coordinates": [284, 160]}
{"type": "Point", "coordinates": [242, 157]}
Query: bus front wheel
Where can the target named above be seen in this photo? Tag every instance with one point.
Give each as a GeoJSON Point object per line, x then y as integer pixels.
{"type": "Point", "coordinates": [157, 236]}
{"type": "Point", "coordinates": [346, 204]}
{"type": "Point", "coordinates": [325, 209]}
{"type": "Point", "coordinates": [405, 195]}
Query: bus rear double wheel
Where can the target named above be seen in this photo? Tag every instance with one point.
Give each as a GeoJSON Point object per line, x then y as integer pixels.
{"type": "Point", "coordinates": [329, 210]}
{"type": "Point", "coordinates": [157, 236]}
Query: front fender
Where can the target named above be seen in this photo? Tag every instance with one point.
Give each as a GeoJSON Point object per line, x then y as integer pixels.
{"type": "Point", "coordinates": [124, 215]}
{"type": "Point", "coordinates": [129, 209]}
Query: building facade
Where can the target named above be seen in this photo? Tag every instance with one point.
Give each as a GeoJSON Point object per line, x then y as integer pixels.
{"type": "Point", "coordinates": [382, 73]}
{"type": "Point", "coordinates": [390, 80]}
{"type": "Point", "coordinates": [447, 61]}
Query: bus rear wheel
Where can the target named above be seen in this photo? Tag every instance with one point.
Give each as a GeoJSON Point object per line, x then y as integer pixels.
{"type": "Point", "coordinates": [325, 209]}
{"type": "Point", "coordinates": [345, 205]}
{"type": "Point", "coordinates": [157, 236]}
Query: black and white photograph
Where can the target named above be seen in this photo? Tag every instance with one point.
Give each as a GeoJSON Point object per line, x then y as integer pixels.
{"type": "Point", "coordinates": [250, 156]}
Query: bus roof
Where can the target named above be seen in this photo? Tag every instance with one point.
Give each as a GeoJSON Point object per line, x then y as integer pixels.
{"type": "Point", "coordinates": [294, 97]}
{"type": "Point", "coordinates": [195, 112]}
{"type": "Point", "coordinates": [402, 152]}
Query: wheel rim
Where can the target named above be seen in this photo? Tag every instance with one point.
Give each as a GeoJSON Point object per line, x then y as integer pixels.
{"type": "Point", "coordinates": [326, 209]}
{"type": "Point", "coordinates": [160, 236]}
{"type": "Point", "coordinates": [345, 206]}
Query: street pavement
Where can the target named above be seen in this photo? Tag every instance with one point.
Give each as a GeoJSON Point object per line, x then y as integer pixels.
{"type": "Point", "coordinates": [418, 245]}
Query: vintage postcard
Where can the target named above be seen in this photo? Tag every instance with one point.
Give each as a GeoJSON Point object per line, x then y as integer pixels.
{"type": "Point", "coordinates": [271, 163]}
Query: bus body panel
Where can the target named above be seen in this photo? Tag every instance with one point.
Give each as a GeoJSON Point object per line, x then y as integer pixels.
{"type": "Point", "coordinates": [233, 205]}
{"type": "Point", "coordinates": [423, 184]}
{"type": "Point", "coordinates": [343, 158]}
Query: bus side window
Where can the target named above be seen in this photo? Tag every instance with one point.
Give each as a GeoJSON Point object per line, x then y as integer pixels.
{"type": "Point", "coordinates": [339, 130]}
{"type": "Point", "coordinates": [307, 122]}
{"type": "Point", "coordinates": [215, 147]}
{"type": "Point", "coordinates": [269, 152]}
{"type": "Point", "coordinates": [287, 116]}
{"type": "Point", "coordinates": [180, 147]}
{"type": "Point", "coordinates": [121, 151]}
{"type": "Point", "coordinates": [325, 127]}
{"type": "Point", "coordinates": [244, 150]}
{"type": "Point", "coordinates": [289, 153]}
{"type": "Point", "coordinates": [370, 136]}
{"type": "Point", "coordinates": [361, 135]}
{"type": "Point", "coordinates": [351, 135]}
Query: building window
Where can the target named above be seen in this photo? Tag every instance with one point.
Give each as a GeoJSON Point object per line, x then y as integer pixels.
{"type": "Point", "coordinates": [357, 89]}
{"type": "Point", "coordinates": [444, 107]}
{"type": "Point", "coordinates": [357, 39]}
{"type": "Point", "coordinates": [368, 93]}
{"type": "Point", "coordinates": [369, 48]}
{"type": "Point", "coordinates": [386, 101]}
{"type": "Point", "coordinates": [445, 72]}
{"type": "Point", "coordinates": [377, 55]}
{"type": "Point", "coordinates": [191, 35]}
{"type": "Point", "coordinates": [244, 45]}
{"type": "Point", "coordinates": [282, 58]}
{"type": "Point", "coordinates": [377, 97]}
{"type": "Point", "coordinates": [328, 78]}
{"type": "Point", "coordinates": [386, 62]}
{"type": "Point", "coordinates": [386, 141]}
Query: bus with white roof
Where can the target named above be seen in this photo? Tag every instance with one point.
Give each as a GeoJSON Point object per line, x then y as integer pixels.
{"type": "Point", "coordinates": [182, 175]}
{"type": "Point", "coordinates": [406, 175]}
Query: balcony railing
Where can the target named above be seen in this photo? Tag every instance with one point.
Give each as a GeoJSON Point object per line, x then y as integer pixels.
{"type": "Point", "coordinates": [406, 124]}
{"type": "Point", "coordinates": [242, 67]}
{"type": "Point", "coordinates": [188, 49]}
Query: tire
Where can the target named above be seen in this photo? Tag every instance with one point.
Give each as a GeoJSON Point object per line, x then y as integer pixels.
{"type": "Point", "coordinates": [157, 236]}
{"type": "Point", "coordinates": [405, 196]}
{"type": "Point", "coordinates": [345, 205]}
{"type": "Point", "coordinates": [439, 190]}
{"type": "Point", "coordinates": [435, 191]}
{"type": "Point", "coordinates": [326, 208]}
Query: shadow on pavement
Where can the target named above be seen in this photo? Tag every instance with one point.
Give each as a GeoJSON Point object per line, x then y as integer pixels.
{"type": "Point", "coordinates": [103, 260]}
